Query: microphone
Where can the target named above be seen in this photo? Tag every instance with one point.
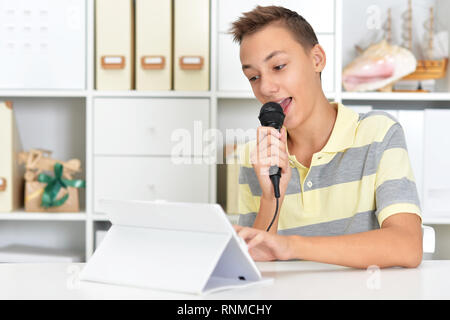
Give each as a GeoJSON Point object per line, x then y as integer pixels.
{"type": "Point", "coordinates": [272, 115]}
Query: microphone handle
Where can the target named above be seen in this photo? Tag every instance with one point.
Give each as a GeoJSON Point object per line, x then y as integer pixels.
{"type": "Point", "coordinates": [275, 176]}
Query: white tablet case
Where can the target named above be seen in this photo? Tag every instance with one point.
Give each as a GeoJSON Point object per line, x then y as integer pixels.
{"type": "Point", "coordinates": [183, 247]}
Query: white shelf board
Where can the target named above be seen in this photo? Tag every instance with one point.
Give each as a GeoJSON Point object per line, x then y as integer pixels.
{"type": "Point", "coordinates": [408, 96]}
{"type": "Point", "coordinates": [235, 94]}
{"type": "Point", "coordinates": [40, 216]}
{"type": "Point", "coordinates": [431, 220]}
{"type": "Point", "coordinates": [250, 95]}
{"type": "Point", "coordinates": [95, 93]}
{"type": "Point", "coordinates": [44, 93]}
{"type": "Point", "coordinates": [153, 94]}
{"type": "Point", "coordinates": [100, 217]}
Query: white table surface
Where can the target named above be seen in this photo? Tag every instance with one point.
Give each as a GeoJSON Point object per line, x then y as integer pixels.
{"type": "Point", "coordinates": [292, 280]}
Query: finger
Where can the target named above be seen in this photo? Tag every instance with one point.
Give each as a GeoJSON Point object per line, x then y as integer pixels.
{"type": "Point", "coordinates": [265, 144]}
{"type": "Point", "coordinates": [254, 156]}
{"type": "Point", "coordinates": [244, 232]}
{"type": "Point", "coordinates": [262, 132]}
{"type": "Point", "coordinates": [267, 152]}
{"type": "Point", "coordinates": [258, 239]}
{"type": "Point", "coordinates": [263, 156]}
{"type": "Point", "coordinates": [283, 133]}
{"type": "Point", "coordinates": [283, 140]}
{"type": "Point", "coordinates": [264, 170]}
{"type": "Point", "coordinates": [237, 227]}
{"type": "Point", "coordinates": [271, 139]}
{"type": "Point", "coordinates": [258, 157]}
{"type": "Point", "coordinates": [247, 233]}
{"type": "Point", "coordinates": [269, 146]}
{"type": "Point", "coordinates": [278, 160]}
{"type": "Point", "coordinates": [269, 131]}
{"type": "Point", "coordinates": [284, 167]}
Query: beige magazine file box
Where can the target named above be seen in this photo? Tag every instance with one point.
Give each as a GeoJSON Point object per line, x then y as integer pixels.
{"type": "Point", "coordinates": [153, 45]}
{"type": "Point", "coordinates": [114, 34]}
{"type": "Point", "coordinates": [191, 45]}
{"type": "Point", "coordinates": [11, 173]}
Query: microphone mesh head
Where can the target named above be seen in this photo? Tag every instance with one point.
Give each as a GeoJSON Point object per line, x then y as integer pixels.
{"type": "Point", "coordinates": [271, 115]}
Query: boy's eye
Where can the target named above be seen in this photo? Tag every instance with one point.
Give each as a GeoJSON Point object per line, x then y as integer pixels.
{"type": "Point", "coordinates": [279, 67]}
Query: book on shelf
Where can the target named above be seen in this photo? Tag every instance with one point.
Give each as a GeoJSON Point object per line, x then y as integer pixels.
{"type": "Point", "coordinates": [11, 174]}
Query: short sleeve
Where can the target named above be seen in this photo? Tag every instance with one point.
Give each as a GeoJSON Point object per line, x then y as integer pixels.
{"type": "Point", "coordinates": [395, 186]}
{"type": "Point", "coordinates": [247, 205]}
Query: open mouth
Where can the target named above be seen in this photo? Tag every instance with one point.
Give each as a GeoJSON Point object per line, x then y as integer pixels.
{"type": "Point", "coordinates": [285, 103]}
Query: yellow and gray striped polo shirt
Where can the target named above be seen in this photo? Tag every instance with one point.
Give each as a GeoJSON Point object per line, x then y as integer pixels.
{"type": "Point", "coordinates": [362, 176]}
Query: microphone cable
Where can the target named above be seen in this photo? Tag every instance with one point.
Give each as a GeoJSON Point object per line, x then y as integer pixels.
{"type": "Point", "coordinates": [274, 216]}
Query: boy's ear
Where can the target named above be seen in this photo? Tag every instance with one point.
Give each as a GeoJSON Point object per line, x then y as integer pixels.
{"type": "Point", "coordinates": [319, 58]}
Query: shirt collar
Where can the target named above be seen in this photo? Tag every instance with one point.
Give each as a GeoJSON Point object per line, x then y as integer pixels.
{"type": "Point", "coordinates": [344, 130]}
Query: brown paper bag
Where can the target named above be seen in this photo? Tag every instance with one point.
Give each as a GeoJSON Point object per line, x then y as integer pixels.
{"type": "Point", "coordinates": [33, 197]}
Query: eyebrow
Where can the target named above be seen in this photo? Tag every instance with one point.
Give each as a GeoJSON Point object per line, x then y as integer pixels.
{"type": "Point", "coordinates": [270, 56]}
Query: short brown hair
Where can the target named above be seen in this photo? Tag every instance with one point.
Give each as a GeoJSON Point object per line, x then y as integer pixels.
{"type": "Point", "coordinates": [260, 17]}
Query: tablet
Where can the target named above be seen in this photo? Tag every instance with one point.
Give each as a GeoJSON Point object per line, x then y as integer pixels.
{"type": "Point", "coordinates": [176, 246]}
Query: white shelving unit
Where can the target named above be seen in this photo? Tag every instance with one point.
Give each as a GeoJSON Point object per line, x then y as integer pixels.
{"type": "Point", "coordinates": [219, 117]}
{"type": "Point", "coordinates": [39, 216]}
{"type": "Point", "coordinates": [396, 96]}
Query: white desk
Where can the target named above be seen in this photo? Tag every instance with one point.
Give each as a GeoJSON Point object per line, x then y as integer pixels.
{"type": "Point", "coordinates": [293, 280]}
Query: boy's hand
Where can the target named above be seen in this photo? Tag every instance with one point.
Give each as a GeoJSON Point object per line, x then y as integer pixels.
{"type": "Point", "coordinates": [265, 246]}
{"type": "Point", "coordinates": [271, 151]}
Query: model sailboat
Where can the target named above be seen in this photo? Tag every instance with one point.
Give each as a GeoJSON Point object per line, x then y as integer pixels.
{"type": "Point", "coordinates": [434, 49]}
{"type": "Point", "coordinates": [382, 64]}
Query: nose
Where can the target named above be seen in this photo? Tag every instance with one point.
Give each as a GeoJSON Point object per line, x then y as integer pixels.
{"type": "Point", "coordinates": [268, 86]}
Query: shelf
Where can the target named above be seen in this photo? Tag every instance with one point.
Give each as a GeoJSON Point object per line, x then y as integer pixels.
{"type": "Point", "coordinates": [444, 220]}
{"type": "Point", "coordinates": [235, 95]}
{"type": "Point", "coordinates": [44, 93]}
{"type": "Point", "coordinates": [250, 95]}
{"type": "Point", "coordinates": [79, 106]}
{"type": "Point", "coordinates": [152, 94]}
{"type": "Point", "coordinates": [39, 216]}
{"type": "Point", "coordinates": [408, 96]}
{"type": "Point", "coordinates": [113, 94]}
{"type": "Point", "coordinates": [100, 217]}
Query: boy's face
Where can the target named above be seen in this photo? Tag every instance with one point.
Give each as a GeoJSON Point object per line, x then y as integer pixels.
{"type": "Point", "coordinates": [280, 70]}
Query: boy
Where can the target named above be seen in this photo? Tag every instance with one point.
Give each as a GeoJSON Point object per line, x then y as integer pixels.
{"type": "Point", "coordinates": [348, 194]}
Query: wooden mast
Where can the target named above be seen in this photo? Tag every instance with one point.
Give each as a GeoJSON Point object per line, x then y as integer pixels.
{"type": "Point", "coordinates": [409, 23]}
{"type": "Point", "coordinates": [389, 27]}
{"type": "Point", "coordinates": [430, 34]}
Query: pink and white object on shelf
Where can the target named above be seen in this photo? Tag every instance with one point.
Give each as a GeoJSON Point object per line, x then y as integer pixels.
{"type": "Point", "coordinates": [379, 65]}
